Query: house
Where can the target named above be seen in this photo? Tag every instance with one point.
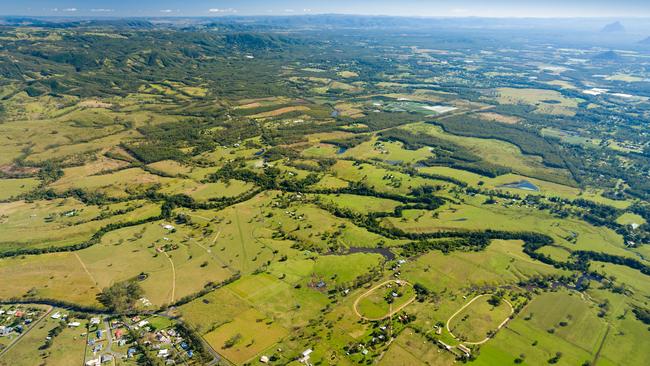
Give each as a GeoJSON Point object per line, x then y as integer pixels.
{"type": "Point", "coordinates": [264, 359]}
{"type": "Point", "coordinates": [74, 324]}
{"type": "Point", "coordinates": [164, 353]}
{"type": "Point", "coordinates": [305, 355]}
{"type": "Point", "coordinates": [130, 352]}
{"type": "Point", "coordinates": [142, 323]}
{"type": "Point", "coordinates": [19, 313]}
{"type": "Point", "coordinates": [94, 321]}
{"type": "Point", "coordinates": [447, 347]}
{"type": "Point", "coordinates": [106, 358]}
{"type": "Point", "coordinates": [168, 227]}
{"type": "Point", "coordinates": [93, 362]}
{"type": "Point", "coordinates": [119, 333]}
{"type": "Point", "coordinates": [5, 331]}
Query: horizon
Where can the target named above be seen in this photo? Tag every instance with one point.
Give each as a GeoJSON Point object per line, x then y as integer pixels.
{"type": "Point", "coordinates": [552, 9]}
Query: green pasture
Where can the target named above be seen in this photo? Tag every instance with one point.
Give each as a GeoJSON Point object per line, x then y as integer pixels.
{"type": "Point", "coordinates": [474, 322]}
{"type": "Point", "coordinates": [502, 262]}
{"type": "Point", "coordinates": [13, 187]}
{"type": "Point", "coordinates": [375, 304]}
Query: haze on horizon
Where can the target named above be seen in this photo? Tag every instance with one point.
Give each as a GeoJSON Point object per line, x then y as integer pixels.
{"type": "Point", "coordinates": [437, 8]}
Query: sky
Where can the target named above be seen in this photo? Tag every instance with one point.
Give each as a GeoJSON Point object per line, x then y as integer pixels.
{"type": "Point", "coordinates": [430, 8]}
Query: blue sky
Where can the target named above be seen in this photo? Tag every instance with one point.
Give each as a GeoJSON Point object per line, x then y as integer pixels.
{"type": "Point", "coordinates": [495, 8]}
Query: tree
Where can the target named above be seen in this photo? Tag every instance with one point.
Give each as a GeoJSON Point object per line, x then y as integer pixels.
{"type": "Point", "coordinates": [121, 296]}
{"type": "Point", "coordinates": [495, 300]}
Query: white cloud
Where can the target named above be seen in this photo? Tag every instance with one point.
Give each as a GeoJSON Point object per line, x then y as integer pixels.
{"type": "Point", "coordinates": [102, 10]}
{"type": "Point", "coordinates": [227, 10]}
{"type": "Point", "coordinates": [55, 9]}
{"type": "Point", "coordinates": [166, 11]}
{"type": "Point", "coordinates": [306, 10]}
{"type": "Point", "coordinates": [289, 10]}
{"type": "Point", "coordinates": [70, 9]}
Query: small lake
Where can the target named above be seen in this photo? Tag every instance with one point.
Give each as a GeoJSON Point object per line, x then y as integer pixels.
{"type": "Point", "coordinates": [522, 184]}
{"type": "Point", "coordinates": [341, 150]}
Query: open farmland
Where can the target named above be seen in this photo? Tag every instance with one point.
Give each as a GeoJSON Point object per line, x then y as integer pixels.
{"type": "Point", "coordinates": [323, 190]}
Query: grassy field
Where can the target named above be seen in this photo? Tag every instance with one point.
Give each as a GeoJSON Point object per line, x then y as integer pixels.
{"type": "Point", "coordinates": [411, 348]}
{"type": "Point", "coordinates": [313, 260]}
{"type": "Point", "coordinates": [553, 322]}
{"type": "Point", "coordinates": [629, 218]}
{"type": "Point", "coordinates": [257, 309]}
{"type": "Point", "coordinates": [381, 179]}
{"type": "Point", "coordinates": [474, 322]}
{"type": "Point", "coordinates": [545, 101]}
{"type": "Point", "coordinates": [112, 184]}
{"type": "Point", "coordinates": [13, 187]}
{"type": "Point", "coordinates": [205, 191]}
{"type": "Point", "coordinates": [573, 234]}
{"type": "Point", "coordinates": [362, 204]}
{"type": "Point", "coordinates": [61, 222]}
{"type": "Point", "coordinates": [250, 333]}
{"type": "Point", "coordinates": [498, 152]}
{"type": "Point", "coordinates": [503, 261]}
{"type": "Point", "coordinates": [67, 348]}
{"type": "Point", "coordinates": [546, 188]}
{"type": "Point", "coordinates": [386, 151]}
{"type": "Point", "coordinates": [385, 299]}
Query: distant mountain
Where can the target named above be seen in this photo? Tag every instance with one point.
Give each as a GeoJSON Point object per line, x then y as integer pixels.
{"type": "Point", "coordinates": [606, 56]}
{"type": "Point", "coordinates": [615, 27]}
{"type": "Point", "coordinates": [67, 23]}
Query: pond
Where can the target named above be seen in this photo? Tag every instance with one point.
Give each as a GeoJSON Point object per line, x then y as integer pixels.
{"type": "Point", "coordinates": [522, 184]}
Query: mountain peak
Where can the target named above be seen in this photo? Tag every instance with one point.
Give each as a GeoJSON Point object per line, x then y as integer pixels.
{"type": "Point", "coordinates": [615, 27]}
